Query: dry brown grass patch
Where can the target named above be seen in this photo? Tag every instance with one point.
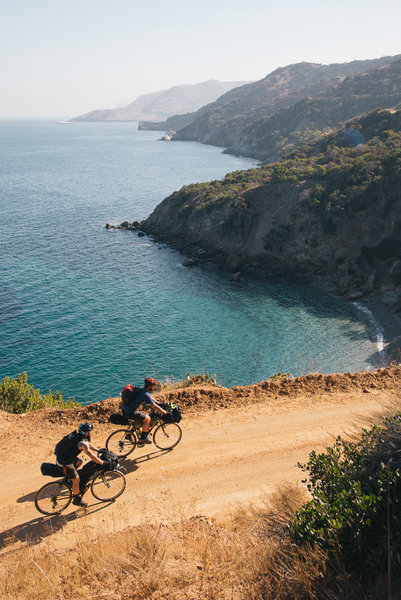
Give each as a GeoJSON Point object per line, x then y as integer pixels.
{"type": "Point", "coordinates": [249, 557]}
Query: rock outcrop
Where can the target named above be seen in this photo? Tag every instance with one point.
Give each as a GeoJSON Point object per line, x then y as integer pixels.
{"type": "Point", "coordinates": [127, 225]}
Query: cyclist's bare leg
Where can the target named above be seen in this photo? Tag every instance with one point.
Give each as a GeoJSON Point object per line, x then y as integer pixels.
{"type": "Point", "coordinates": [75, 486]}
{"type": "Point", "coordinates": [145, 424]}
{"type": "Point", "coordinates": [70, 471]}
{"type": "Point", "coordinates": [75, 481]}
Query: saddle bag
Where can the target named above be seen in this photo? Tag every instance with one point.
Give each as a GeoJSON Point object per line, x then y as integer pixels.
{"type": "Point", "coordinates": [118, 419]}
{"type": "Point", "coordinates": [51, 470]}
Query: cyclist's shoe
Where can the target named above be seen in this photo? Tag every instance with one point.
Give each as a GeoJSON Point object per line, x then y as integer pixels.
{"type": "Point", "coordinates": [144, 440]}
{"type": "Point", "coordinates": [77, 501]}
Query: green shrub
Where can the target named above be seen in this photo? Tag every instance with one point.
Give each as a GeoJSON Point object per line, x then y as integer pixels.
{"type": "Point", "coordinates": [18, 396]}
{"type": "Point", "coordinates": [355, 509]}
{"type": "Point", "coordinates": [279, 374]}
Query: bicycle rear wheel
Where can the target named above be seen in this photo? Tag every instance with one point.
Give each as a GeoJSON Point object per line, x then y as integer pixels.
{"type": "Point", "coordinates": [122, 442]}
{"type": "Point", "coordinates": [53, 498]}
{"type": "Point", "coordinates": [167, 435]}
{"type": "Point", "coordinates": [108, 485]}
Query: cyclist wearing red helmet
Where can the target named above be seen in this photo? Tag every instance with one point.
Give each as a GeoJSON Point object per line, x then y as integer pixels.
{"type": "Point", "coordinates": [143, 397]}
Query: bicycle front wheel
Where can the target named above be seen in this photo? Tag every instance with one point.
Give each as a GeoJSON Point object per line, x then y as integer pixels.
{"type": "Point", "coordinates": [122, 442]}
{"type": "Point", "coordinates": [53, 498]}
{"type": "Point", "coordinates": [167, 435]}
{"type": "Point", "coordinates": [108, 485]}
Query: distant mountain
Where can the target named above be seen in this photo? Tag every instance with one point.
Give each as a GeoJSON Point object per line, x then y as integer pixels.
{"type": "Point", "coordinates": [158, 106]}
{"type": "Point", "coordinates": [247, 118]}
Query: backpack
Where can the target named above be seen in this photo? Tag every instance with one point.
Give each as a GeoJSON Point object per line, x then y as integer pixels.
{"type": "Point", "coordinates": [129, 393]}
{"type": "Point", "coordinates": [67, 444]}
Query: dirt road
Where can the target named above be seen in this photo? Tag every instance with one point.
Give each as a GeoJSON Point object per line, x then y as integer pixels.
{"type": "Point", "coordinates": [226, 456]}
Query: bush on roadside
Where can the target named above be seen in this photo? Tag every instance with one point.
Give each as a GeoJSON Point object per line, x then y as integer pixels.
{"type": "Point", "coordinates": [355, 511]}
{"type": "Point", "coordinates": [18, 396]}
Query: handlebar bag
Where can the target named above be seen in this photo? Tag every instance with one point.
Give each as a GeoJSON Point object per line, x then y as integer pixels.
{"type": "Point", "coordinates": [110, 457]}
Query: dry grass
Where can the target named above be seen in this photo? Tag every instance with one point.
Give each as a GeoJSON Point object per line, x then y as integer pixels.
{"type": "Point", "coordinates": [190, 380]}
{"type": "Point", "coordinates": [248, 557]}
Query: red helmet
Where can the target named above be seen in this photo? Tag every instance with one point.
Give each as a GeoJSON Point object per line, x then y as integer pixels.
{"type": "Point", "coordinates": [150, 381]}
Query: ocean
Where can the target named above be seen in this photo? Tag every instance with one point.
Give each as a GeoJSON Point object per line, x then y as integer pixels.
{"type": "Point", "coordinates": [87, 310]}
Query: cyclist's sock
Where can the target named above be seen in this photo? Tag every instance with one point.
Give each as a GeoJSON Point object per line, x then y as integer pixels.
{"type": "Point", "coordinates": [144, 435]}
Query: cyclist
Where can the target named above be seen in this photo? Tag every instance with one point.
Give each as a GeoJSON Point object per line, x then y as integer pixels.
{"type": "Point", "coordinates": [143, 397]}
{"type": "Point", "coordinates": [67, 451]}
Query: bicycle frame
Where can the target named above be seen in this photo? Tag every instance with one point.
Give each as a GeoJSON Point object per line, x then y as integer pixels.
{"type": "Point", "coordinates": [87, 485]}
{"type": "Point", "coordinates": [135, 427]}
{"type": "Point", "coordinates": [166, 435]}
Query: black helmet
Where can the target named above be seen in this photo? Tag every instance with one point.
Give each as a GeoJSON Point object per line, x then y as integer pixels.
{"type": "Point", "coordinates": [85, 427]}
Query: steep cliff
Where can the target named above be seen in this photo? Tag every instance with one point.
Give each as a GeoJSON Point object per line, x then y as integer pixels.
{"type": "Point", "coordinates": [331, 213]}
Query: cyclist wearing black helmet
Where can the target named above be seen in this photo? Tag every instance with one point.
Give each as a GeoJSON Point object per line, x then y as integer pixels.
{"type": "Point", "coordinates": [143, 397]}
{"type": "Point", "coordinates": [67, 451]}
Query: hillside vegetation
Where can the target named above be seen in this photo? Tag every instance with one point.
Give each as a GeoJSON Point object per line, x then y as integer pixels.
{"type": "Point", "coordinates": [270, 137]}
{"type": "Point", "coordinates": [329, 212]}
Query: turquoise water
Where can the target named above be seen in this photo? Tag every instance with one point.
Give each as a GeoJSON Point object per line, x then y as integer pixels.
{"type": "Point", "coordinates": [87, 310]}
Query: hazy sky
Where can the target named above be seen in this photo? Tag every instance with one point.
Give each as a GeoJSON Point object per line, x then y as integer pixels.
{"type": "Point", "coordinates": [60, 59]}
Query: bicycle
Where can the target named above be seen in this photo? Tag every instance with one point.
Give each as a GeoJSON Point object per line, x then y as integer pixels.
{"type": "Point", "coordinates": [55, 497]}
{"type": "Point", "coordinates": [124, 441]}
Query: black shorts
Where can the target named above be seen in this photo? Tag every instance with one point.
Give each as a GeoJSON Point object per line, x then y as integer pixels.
{"type": "Point", "coordinates": [138, 416]}
{"type": "Point", "coordinates": [70, 470]}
